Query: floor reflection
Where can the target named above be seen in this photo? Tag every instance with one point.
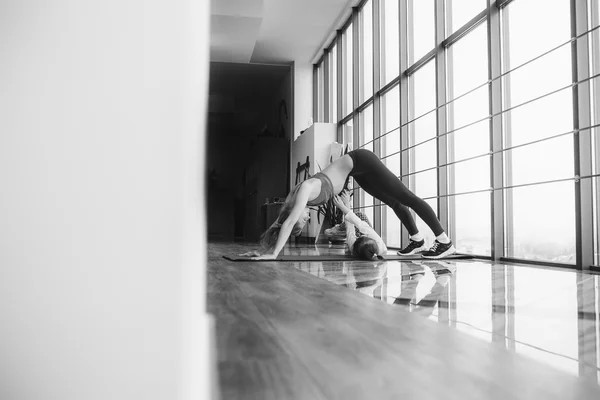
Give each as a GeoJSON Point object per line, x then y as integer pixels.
{"type": "Point", "coordinates": [548, 314]}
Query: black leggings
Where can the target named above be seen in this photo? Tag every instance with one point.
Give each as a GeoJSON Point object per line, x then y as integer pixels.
{"type": "Point", "coordinates": [377, 180]}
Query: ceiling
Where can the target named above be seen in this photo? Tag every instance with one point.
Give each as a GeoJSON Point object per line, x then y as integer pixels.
{"type": "Point", "coordinates": [273, 31]}
{"type": "Point", "coordinates": [231, 79]}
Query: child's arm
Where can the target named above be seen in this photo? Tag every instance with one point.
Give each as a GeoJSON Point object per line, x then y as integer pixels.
{"type": "Point", "coordinates": [365, 229]}
{"type": "Point", "coordinates": [342, 204]}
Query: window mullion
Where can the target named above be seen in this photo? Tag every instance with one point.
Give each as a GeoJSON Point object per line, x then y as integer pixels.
{"type": "Point", "coordinates": [442, 141]}
{"type": "Point", "coordinates": [340, 85]}
{"type": "Point", "coordinates": [404, 103]}
{"type": "Point", "coordinates": [326, 78]}
{"type": "Point", "coordinates": [496, 160]}
{"type": "Point", "coordinates": [584, 231]}
{"type": "Point", "coordinates": [377, 223]}
{"type": "Point", "coordinates": [355, 85]}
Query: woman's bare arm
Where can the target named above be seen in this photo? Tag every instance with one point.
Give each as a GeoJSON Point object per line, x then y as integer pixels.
{"type": "Point", "coordinates": [300, 201]}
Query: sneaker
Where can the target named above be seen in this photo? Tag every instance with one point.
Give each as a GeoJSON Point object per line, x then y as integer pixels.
{"type": "Point", "coordinates": [439, 250]}
{"type": "Point", "coordinates": [440, 267]}
{"type": "Point", "coordinates": [412, 248]}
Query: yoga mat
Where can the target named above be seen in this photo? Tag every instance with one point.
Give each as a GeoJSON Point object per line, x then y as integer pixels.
{"type": "Point", "coordinates": [345, 257]}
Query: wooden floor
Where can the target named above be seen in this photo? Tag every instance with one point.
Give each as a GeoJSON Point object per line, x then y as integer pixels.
{"type": "Point", "coordinates": [282, 333]}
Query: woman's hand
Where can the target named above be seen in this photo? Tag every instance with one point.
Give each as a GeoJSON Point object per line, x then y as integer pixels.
{"type": "Point", "coordinates": [339, 203]}
{"type": "Point", "coordinates": [264, 257]}
{"type": "Point", "coordinates": [252, 253]}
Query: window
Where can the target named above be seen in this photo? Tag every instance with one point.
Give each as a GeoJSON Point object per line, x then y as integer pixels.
{"type": "Point", "coordinates": [347, 105]}
{"type": "Point", "coordinates": [425, 135]}
{"type": "Point", "coordinates": [366, 128]}
{"type": "Point", "coordinates": [390, 125]}
{"type": "Point", "coordinates": [540, 103]}
{"type": "Point", "coordinates": [366, 52]}
{"type": "Point", "coordinates": [594, 38]}
{"type": "Point", "coordinates": [468, 142]}
{"type": "Point", "coordinates": [542, 222]}
{"type": "Point", "coordinates": [422, 150]}
{"type": "Point", "coordinates": [459, 12]}
{"type": "Point", "coordinates": [390, 42]}
{"type": "Point", "coordinates": [320, 117]}
{"type": "Point", "coordinates": [333, 100]}
{"type": "Point", "coordinates": [421, 28]}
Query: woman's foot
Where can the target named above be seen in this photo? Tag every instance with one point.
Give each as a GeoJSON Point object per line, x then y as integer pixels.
{"type": "Point", "coordinates": [413, 247]}
{"type": "Point", "coordinates": [439, 250]}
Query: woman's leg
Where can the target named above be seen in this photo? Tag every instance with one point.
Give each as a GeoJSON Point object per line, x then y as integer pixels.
{"type": "Point", "coordinates": [377, 180]}
{"type": "Point", "coordinates": [401, 211]}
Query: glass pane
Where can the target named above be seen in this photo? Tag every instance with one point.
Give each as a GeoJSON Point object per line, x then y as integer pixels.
{"type": "Point", "coordinates": [366, 200]}
{"type": "Point", "coordinates": [469, 142]}
{"type": "Point", "coordinates": [472, 222]}
{"type": "Point", "coordinates": [468, 61]}
{"type": "Point", "coordinates": [542, 161]}
{"type": "Point", "coordinates": [542, 222]}
{"type": "Point", "coordinates": [420, 133]}
{"type": "Point", "coordinates": [422, 100]}
{"type": "Point", "coordinates": [540, 119]}
{"type": "Point", "coordinates": [423, 156]}
{"type": "Point", "coordinates": [540, 77]}
{"type": "Point", "coordinates": [366, 126]}
{"type": "Point", "coordinates": [424, 184]}
{"type": "Point", "coordinates": [459, 12]}
{"type": "Point", "coordinates": [348, 70]}
{"type": "Point", "coordinates": [333, 84]}
{"type": "Point", "coordinates": [422, 129]}
{"type": "Point", "coordinates": [391, 227]}
{"type": "Point", "coordinates": [390, 143]}
{"type": "Point", "coordinates": [469, 176]}
{"type": "Point", "coordinates": [390, 109]}
{"type": "Point", "coordinates": [594, 8]}
{"type": "Point", "coordinates": [422, 91]}
{"type": "Point", "coordinates": [348, 132]}
{"type": "Point", "coordinates": [421, 33]}
{"type": "Point", "coordinates": [366, 52]}
{"type": "Point", "coordinates": [390, 42]}
{"type": "Point", "coordinates": [527, 41]}
{"type": "Point", "coordinates": [393, 163]}
{"type": "Point", "coordinates": [469, 109]}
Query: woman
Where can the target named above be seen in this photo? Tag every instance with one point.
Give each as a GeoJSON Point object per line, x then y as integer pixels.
{"type": "Point", "coordinates": [369, 246]}
{"type": "Point", "coordinates": [377, 180]}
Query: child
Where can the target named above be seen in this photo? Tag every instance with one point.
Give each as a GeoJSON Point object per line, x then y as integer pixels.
{"type": "Point", "coordinates": [369, 246]}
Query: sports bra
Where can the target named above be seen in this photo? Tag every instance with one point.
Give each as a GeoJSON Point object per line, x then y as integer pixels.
{"type": "Point", "coordinates": [326, 190]}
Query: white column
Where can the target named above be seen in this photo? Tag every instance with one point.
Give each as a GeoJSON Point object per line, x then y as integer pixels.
{"type": "Point", "coordinates": [102, 239]}
{"type": "Point", "coordinates": [303, 100]}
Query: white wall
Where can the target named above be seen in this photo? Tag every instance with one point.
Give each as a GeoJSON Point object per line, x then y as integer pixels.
{"type": "Point", "coordinates": [303, 100]}
{"type": "Point", "coordinates": [101, 214]}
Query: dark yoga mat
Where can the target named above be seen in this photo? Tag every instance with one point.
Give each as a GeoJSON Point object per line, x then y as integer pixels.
{"type": "Point", "coordinates": [345, 257]}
